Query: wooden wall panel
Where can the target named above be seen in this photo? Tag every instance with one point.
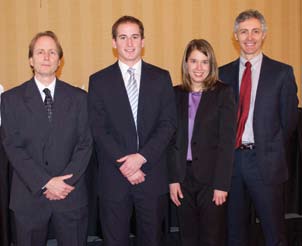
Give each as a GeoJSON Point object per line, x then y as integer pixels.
{"type": "Point", "coordinates": [84, 29]}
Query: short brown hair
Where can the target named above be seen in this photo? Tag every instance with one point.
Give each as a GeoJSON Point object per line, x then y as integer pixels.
{"type": "Point", "coordinates": [204, 47]}
{"type": "Point", "coordinates": [127, 19]}
{"type": "Point", "coordinates": [43, 34]}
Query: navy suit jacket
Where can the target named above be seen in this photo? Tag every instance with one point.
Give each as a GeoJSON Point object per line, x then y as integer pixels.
{"type": "Point", "coordinates": [275, 114]}
{"type": "Point", "coordinates": [39, 150]}
{"type": "Point", "coordinates": [114, 132]}
{"type": "Point", "coordinates": [213, 138]}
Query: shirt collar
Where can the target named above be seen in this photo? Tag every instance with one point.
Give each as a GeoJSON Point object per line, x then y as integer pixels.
{"type": "Point", "coordinates": [255, 60]}
{"type": "Point", "coordinates": [124, 67]}
{"type": "Point", "coordinates": [41, 86]}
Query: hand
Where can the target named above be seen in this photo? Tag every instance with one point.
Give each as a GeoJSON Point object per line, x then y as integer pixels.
{"type": "Point", "coordinates": [219, 197]}
{"type": "Point", "coordinates": [131, 164]}
{"type": "Point", "coordinates": [58, 188]}
{"type": "Point", "coordinates": [176, 193]}
{"type": "Point", "coordinates": [137, 177]}
{"type": "Point", "coordinates": [50, 196]}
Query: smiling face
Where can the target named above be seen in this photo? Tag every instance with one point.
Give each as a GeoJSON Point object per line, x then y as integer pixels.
{"type": "Point", "coordinates": [250, 37]}
{"type": "Point", "coordinates": [198, 66]}
{"type": "Point", "coordinates": [45, 59]}
{"type": "Point", "coordinates": [128, 43]}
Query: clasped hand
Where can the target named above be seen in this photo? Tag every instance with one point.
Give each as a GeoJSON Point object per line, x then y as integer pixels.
{"type": "Point", "coordinates": [131, 168]}
{"type": "Point", "coordinates": [57, 189]}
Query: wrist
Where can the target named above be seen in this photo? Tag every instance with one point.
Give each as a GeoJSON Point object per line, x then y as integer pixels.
{"type": "Point", "coordinates": [144, 160]}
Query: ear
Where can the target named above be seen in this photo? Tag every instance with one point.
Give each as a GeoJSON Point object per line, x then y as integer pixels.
{"type": "Point", "coordinates": [235, 35]}
{"type": "Point", "coordinates": [143, 43]}
{"type": "Point", "coordinates": [31, 62]}
{"type": "Point", "coordinates": [113, 43]}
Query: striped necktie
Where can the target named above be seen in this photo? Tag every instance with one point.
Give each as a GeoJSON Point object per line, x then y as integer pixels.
{"type": "Point", "coordinates": [132, 92]}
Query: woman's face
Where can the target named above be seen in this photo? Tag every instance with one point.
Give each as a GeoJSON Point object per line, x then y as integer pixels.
{"type": "Point", "coordinates": [198, 67]}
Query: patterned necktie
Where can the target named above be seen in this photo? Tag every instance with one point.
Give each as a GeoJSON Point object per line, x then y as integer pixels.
{"type": "Point", "coordinates": [48, 103]}
{"type": "Point", "coordinates": [244, 102]}
{"type": "Point", "coordinates": [132, 92]}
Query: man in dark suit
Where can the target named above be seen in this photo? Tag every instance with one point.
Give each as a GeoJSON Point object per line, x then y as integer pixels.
{"type": "Point", "coordinates": [133, 116]}
{"type": "Point", "coordinates": [4, 191]}
{"type": "Point", "coordinates": [48, 145]}
{"type": "Point", "coordinates": [267, 115]}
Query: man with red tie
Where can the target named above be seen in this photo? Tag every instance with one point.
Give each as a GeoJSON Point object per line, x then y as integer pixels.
{"type": "Point", "coordinates": [265, 91]}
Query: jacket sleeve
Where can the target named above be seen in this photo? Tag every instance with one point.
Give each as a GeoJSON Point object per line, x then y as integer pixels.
{"type": "Point", "coordinates": [165, 128]}
{"type": "Point", "coordinates": [226, 142]}
{"type": "Point", "coordinates": [288, 103]}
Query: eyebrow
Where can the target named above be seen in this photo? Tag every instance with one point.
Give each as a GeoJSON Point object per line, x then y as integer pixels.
{"type": "Point", "coordinates": [125, 35]}
{"type": "Point", "coordinates": [256, 28]}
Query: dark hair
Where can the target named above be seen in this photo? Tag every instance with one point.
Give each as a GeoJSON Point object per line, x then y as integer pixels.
{"type": "Point", "coordinates": [127, 19]}
{"type": "Point", "coordinates": [43, 34]}
{"type": "Point", "coordinates": [248, 14]}
{"type": "Point", "coordinates": [204, 47]}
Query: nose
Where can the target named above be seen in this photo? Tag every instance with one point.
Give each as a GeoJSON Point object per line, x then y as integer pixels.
{"type": "Point", "coordinates": [46, 56]}
{"type": "Point", "coordinates": [199, 66]}
{"type": "Point", "coordinates": [250, 35]}
{"type": "Point", "coordinates": [129, 42]}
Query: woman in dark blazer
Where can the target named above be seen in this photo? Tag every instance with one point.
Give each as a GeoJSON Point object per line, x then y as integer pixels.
{"type": "Point", "coordinates": [201, 152]}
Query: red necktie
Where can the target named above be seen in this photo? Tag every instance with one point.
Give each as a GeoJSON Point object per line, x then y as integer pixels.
{"type": "Point", "coordinates": [244, 102]}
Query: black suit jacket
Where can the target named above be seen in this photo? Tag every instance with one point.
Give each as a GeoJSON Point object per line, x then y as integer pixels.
{"type": "Point", "coordinates": [38, 150]}
{"type": "Point", "coordinates": [275, 114]}
{"type": "Point", "coordinates": [212, 141]}
{"type": "Point", "coordinates": [114, 130]}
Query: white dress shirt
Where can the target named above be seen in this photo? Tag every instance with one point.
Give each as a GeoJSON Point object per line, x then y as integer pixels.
{"type": "Point", "coordinates": [248, 133]}
{"type": "Point", "coordinates": [137, 73]}
{"type": "Point", "coordinates": [51, 87]}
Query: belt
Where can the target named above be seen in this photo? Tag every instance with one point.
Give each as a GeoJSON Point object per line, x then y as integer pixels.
{"type": "Point", "coordinates": [247, 146]}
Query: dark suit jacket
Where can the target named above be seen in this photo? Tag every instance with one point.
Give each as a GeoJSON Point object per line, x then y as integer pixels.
{"type": "Point", "coordinates": [213, 138]}
{"type": "Point", "coordinates": [275, 114]}
{"type": "Point", "coordinates": [4, 195]}
{"type": "Point", "coordinates": [38, 150]}
{"type": "Point", "coordinates": [114, 130]}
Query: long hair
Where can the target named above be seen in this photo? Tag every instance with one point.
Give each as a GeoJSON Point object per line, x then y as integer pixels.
{"type": "Point", "coordinates": [204, 47]}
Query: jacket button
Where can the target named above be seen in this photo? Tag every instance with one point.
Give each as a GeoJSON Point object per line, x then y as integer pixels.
{"type": "Point", "coordinates": [46, 163]}
{"type": "Point", "coordinates": [196, 159]}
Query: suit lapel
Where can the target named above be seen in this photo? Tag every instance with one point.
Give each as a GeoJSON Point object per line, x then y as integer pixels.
{"type": "Point", "coordinates": [203, 110]}
{"type": "Point", "coordinates": [183, 114]}
{"type": "Point", "coordinates": [34, 103]}
{"type": "Point", "coordinates": [62, 103]}
{"type": "Point", "coordinates": [143, 90]}
{"type": "Point", "coordinates": [235, 78]}
{"type": "Point", "coordinates": [264, 84]}
{"type": "Point", "coordinates": [121, 100]}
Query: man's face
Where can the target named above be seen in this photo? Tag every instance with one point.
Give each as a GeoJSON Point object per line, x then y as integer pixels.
{"type": "Point", "coordinates": [45, 59]}
{"type": "Point", "coordinates": [250, 37]}
{"type": "Point", "coordinates": [128, 43]}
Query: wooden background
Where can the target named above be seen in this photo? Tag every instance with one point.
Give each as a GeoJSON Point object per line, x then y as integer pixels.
{"type": "Point", "coordinates": [84, 29]}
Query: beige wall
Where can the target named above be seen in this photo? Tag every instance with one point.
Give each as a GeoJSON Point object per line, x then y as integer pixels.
{"type": "Point", "coordinates": [83, 27]}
